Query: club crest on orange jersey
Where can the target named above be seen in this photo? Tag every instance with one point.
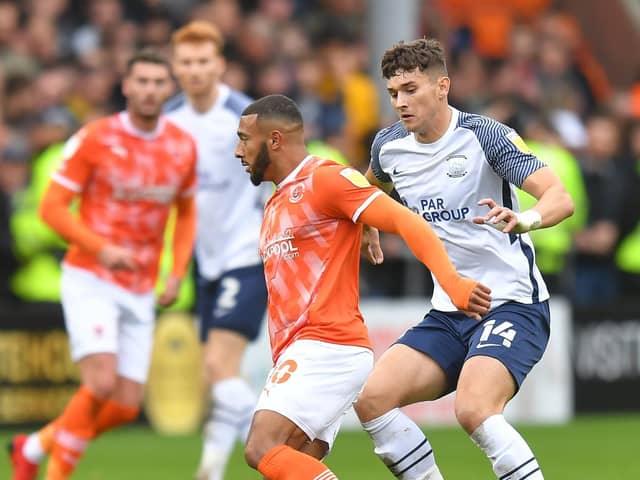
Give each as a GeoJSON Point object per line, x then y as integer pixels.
{"type": "Point", "coordinates": [296, 193]}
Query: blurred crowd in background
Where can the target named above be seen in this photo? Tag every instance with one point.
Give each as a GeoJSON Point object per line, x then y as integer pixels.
{"type": "Point", "coordinates": [526, 63]}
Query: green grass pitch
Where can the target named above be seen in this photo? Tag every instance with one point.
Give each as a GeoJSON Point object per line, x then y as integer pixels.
{"type": "Point", "coordinates": [590, 448]}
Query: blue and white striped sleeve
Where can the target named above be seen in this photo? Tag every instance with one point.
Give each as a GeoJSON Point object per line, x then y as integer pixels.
{"type": "Point", "coordinates": [506, 152]}
{"type": "Point", "coordinates": [510, 158]}
{"type": "Point", "coordinates": [376, 168]}
{"type": "Point", "coordinates": [393, 132]}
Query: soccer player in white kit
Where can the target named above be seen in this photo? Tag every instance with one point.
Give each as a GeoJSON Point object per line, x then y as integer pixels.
{"type": "Point", "coordinates": [231, 293]}
{"type": "Point", "coordinates": [458, 171]}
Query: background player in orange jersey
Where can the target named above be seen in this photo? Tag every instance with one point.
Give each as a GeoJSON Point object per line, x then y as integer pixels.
{"type": "Point", "coordinates": [127, 171]}
{"type": "Point", "coordinates": [310, 244]}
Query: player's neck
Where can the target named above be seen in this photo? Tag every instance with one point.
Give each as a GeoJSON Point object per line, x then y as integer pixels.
{"type": "Point", "coordinates": [288, 163]}
{"type": "Point", "coordinates": [203, 103]}
{"type": "Point", "coordinates": [437, 127]}
{"type": "Point", "coordinates": [144, 124]}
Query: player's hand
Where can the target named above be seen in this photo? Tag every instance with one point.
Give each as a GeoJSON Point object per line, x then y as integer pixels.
{"type": "Point", "coordinates": [479, 302]}
{"type": "Point", "coordinates": [506, 220]}
{"type": "Point", "coordinates": [117, 258]}
{"type": "Point", "coordinates": [370, 245]}
{"type": "Point", "coordinates": [170, 292]}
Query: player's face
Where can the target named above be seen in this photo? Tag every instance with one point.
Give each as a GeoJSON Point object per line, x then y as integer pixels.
{"type": "Point", "coordinates": [146, 88]}
{"type": "Point", "coordinates": [252, 149]}
{"type": "Point", "coordinates": [197, 66]}
{"type": "Point", "coordinates": [417, 96]}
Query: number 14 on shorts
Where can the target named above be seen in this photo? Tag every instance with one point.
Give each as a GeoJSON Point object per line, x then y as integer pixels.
{"type": "Point", "coordinates": [503, 330]}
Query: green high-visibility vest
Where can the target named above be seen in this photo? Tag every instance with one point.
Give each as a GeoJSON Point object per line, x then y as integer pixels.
{"type": "Point", "coordinates": [628, 253]}
{"type": "Point", "coordinates": [554, 243]}
{"type": "Point", "coordinates": [37, 246]}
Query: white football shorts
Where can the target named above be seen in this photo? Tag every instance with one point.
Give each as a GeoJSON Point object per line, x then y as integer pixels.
{"type": "Point", "coordinates": [315, 383]}
{"type": "Point", "coordinates": [102, 317]}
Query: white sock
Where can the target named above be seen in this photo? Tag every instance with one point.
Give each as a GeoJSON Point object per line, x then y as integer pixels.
{"type": "Point", "coordinates": [32, 449]}
{"type": "Point", "coordinates": [510, 456]}
{"type": "Point", "coordinates": [403, 447]}
{"type": "Point", "coordinates": [233, 402]}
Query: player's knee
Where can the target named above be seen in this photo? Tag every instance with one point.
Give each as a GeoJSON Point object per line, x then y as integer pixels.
{"type": "Point", "coordinates": [372, 403]}
{"type": "Point", "coordinates": [253, 453]}
{"type": "Point", "coordinates": [471, 415]}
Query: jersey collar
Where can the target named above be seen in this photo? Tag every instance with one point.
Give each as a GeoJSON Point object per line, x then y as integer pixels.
{"type": "Point", "coordinates": [130, 128]}
{"type": "Point", "coordinates": [294, 173]}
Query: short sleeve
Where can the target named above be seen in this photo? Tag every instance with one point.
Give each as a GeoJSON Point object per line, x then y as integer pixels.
{"type": "Point", "coordinates": [384, 136]}
{"type": "Point", "coordinates": [342, 192]}
{"type": "Point", "coordinates": [75, 169]}
{"type": "Point", "coordinates": [511, 158]}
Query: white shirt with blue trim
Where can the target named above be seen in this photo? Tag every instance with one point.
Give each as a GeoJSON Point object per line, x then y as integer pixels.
{"type": "Point", "coordinates": [230, 208]}
{"type": "Point", "coordinates": [443, 181]}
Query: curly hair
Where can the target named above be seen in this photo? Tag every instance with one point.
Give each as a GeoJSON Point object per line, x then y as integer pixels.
{"type": "Point", "coordinates": [425, 54]}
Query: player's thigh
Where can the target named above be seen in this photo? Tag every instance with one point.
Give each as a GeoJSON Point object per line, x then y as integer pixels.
{"type": "Point", "coordinates": [515, 335]}
{"type": "Point", "coordinates": [237, 302]}
{"type": "Point", "coordinates": [91, 314]}
{"type": "Point", "coordinates": [314, 383]}
{"type": "Point", "coordinates": [502, 351]}
{"type": "Point", "coordinates": [400, 377]}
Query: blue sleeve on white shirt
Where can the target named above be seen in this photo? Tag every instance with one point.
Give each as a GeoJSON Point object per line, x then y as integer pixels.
{"type": "Point", "coordinates": [506, 159]}
{"type": "Point", "coordinates": [237, 102]}
{"type": "Point", "coordinates": [393, 132]}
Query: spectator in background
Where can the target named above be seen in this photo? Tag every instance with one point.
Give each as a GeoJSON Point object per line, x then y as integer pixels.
{"type": "Point", "coordinates": [349, 89]}
{"type": "Point", "coordinates": [14, 158]}
{"type": "Point", "coordinates": [554, 245]}
{"type": "Point", "coordinates": [628, 253]}
{"type": "Point", "coordinates": [596, 278]}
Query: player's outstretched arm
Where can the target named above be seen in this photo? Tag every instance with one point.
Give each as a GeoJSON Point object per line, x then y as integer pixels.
{"type": "Point", "coordinates": [554, 205]}
{"type": "Point", "coordinates": [388, 215]}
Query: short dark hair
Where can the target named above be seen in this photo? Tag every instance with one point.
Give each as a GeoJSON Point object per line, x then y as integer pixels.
{"type": "Point", "coordinates": [425, 54]}
{"type": "Point", "coordinates": [147, 55]}
{"type": "Point", "coordinates": [275, 107]}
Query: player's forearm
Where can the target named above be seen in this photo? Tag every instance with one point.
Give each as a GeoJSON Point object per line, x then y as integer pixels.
{"type": "Point", "coordinates": [184, 236]}
{"type": "Point", "coordinates": [388, 215]}
{"type": "Point", "coordinates": [55, 212]}
{"type": "Point", "coordinates": [554, 205]}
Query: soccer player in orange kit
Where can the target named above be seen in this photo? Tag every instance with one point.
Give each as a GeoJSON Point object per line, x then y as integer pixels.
{"type": "Point", "coordinates": [127, 170]}
{"type": "Point", "coordinates": [310, 246]}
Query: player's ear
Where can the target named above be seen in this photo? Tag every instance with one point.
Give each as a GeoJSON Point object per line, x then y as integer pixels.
{"type": "Point", "coordinates": [275, 139]}
{"type": "Point", "coordinates": [443, 87]}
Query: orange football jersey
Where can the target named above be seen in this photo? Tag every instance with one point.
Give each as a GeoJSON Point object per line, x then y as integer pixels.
{"type": "Point", "coordinates": [127, 180]}
{"type": "Point", "coordinates": [310, 245]}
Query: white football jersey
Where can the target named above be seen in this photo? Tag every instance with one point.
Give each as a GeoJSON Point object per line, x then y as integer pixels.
{"type": "Point", "coordinates": [230, 208]}
{"type": "Point", "coordinates": [443, 181]}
